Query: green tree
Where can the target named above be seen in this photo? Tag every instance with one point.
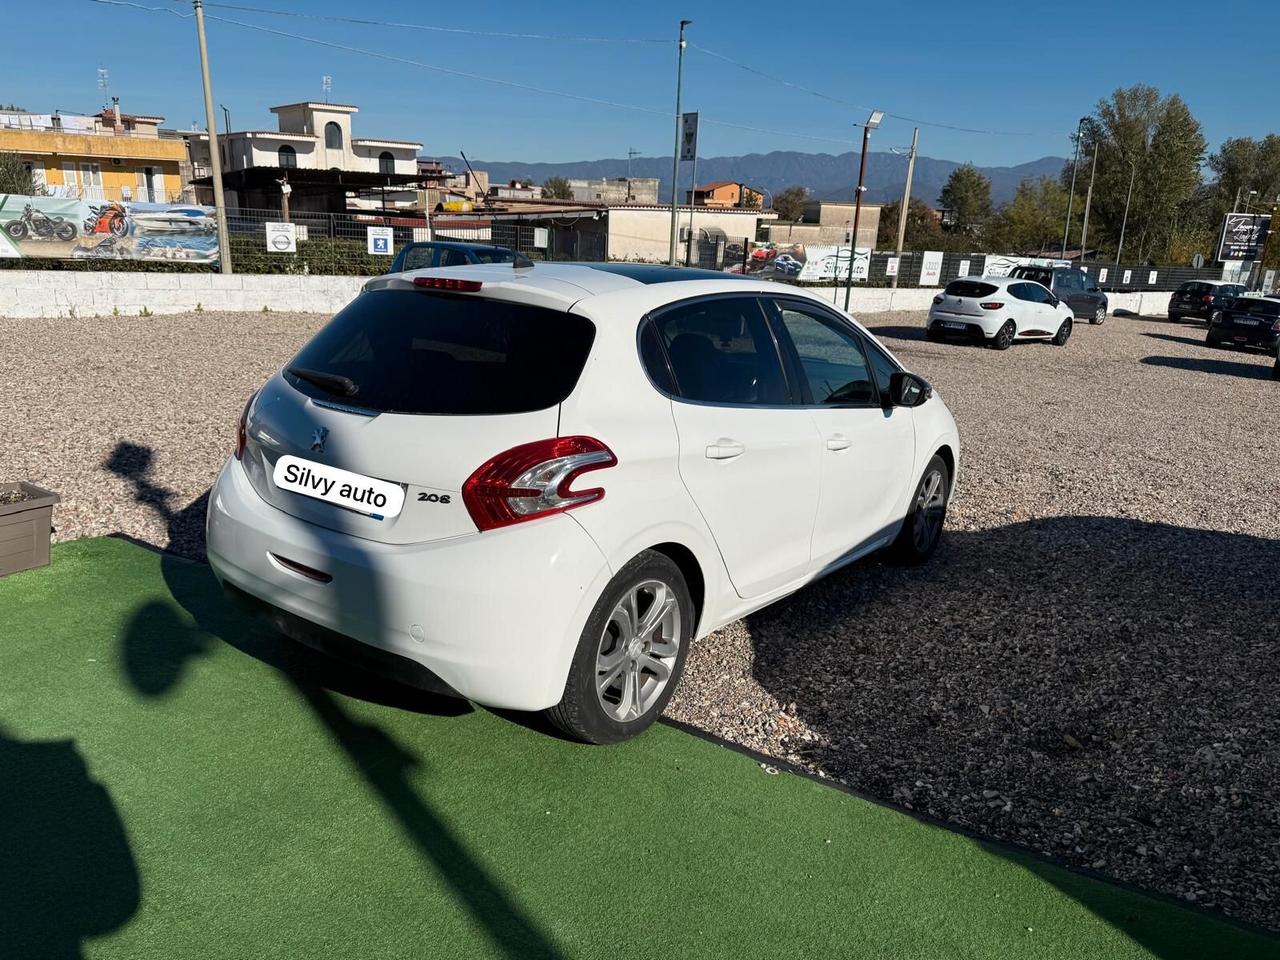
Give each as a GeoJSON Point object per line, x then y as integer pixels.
{"type": "Point", "coordinates": [1155, 142]}
{"type": "Point", "coordinates": [1031, 223]}
{"type": "Point", "coordinates": [15, 176]}
{"type": "Point", "coordinates": [556, 188]}
{"type": "Point", "coordinates": [924, 228]}
{"type": "Point", "coordinates": [750, 199]}
{"type": "Point", "coordinates": [788, 204]}
{"type": "Point", "coordinates": [1242, 164]}
{"type": "Point", "coordinates": [967, 198]}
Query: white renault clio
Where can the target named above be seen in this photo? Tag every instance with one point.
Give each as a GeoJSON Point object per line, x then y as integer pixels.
{"type": "Point", "coordinates": [535, 487]}
{"type": "Point", "coordinates": [1000, 310]}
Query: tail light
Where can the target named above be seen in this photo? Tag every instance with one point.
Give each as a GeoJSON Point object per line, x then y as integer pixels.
{"type": "Point", "coordinates": [991, 305]}
{"type": "Point", "coordinates": [1207, 298]}
{"type": "Point", "coordinates": [1276, 326]}
{"type": "Point", "coordinates": [938, 298]}
{"type": "Point", "coordinates": [448, 283]}
{"type": "Point", "coordinates": [241, 436]}
{"type": "Point", "coordinates": [534, 480]}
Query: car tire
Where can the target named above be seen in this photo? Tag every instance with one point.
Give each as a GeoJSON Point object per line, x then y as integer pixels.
{"type": "Point", "coordinates": [1214, 317]}
{"type": "Point", "coordinates": [931, 333]}
{"type": "Point", "coordinates": [1064, 333]}
{"type": "Point", "coordinates": [1099, 316]}
{"type": "Point", "coordinates": [1003, 339]}
{"type": "Point", "coordinates": [1275, 371]}
{"type": "Point", "coordinates": [922, 528]}
{"type": "Point", "coordinates": [631, 661]}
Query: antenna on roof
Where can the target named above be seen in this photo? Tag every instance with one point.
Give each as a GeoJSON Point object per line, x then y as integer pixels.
{"type": "Point", "coordinates": [326, 84]}
{"type": "Point", "coordinates": [104, 81]}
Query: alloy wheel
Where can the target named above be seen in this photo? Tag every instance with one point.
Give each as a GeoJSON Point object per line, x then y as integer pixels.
{"type": "Point", "coordinates": [931, 504]}
{"type": "Point", "coordinates": [1100, 314]}
{"type": "Point", "coordinates": [638, 650]}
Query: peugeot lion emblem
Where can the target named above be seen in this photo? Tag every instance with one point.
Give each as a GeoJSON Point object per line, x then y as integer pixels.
{"type": "Point", "coordinates": [318, 436]}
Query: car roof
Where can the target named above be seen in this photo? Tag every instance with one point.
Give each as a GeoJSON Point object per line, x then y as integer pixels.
{"type": "Point", "coordinates": [455, 245]}
{"type": "Point", "coordinates": [561, 285]}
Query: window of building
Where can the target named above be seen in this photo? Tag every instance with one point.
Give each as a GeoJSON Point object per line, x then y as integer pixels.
{"type": "Point", "coordinates": [90, 175]}
{"type": "Point", "coordinates": [332, 136]}
{"type": "Point", "coordinates": [288, 156]}
{"type": "Point", "coordinates": [386, 162]}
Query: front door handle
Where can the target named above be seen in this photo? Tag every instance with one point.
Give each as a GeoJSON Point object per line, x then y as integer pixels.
{"type": "Point", "coordinates": [838, 441]}
{"type": "Point", "coordinates": [725, 449]}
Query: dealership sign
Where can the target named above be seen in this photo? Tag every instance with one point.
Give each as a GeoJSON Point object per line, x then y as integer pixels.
{"type": "Point", "coordinates": [1243, 236]}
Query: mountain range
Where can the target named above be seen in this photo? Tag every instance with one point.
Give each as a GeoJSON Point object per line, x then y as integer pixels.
{"type": "Point", "coordinates": [828, 176]}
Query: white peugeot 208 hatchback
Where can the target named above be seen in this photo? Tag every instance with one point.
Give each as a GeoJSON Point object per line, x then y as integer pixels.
{"type": "Point", "coordinates": [535, 487]}
{"type": "Point", "coordinates": [999, 310]}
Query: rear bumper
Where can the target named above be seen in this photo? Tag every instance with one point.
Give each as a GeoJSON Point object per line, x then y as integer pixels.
{"type": "Point", "coordinates": [494, 616]}
{"type": "Point", "coordinates": [962, 325]}
{"type": "Point", "coordinates": [1263, 337]}
{"type": "Point", "coordinates": [1183, 313]}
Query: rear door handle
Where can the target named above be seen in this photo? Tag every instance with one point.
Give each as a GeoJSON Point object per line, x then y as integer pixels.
{"type": "Point", "coordinates": [725, 449]}
{"type": "Point", "coordinates": [838, 441]}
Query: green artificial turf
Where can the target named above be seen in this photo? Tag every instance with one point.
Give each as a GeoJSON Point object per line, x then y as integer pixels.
{"type": "Point", "coordinates": [175, 782]}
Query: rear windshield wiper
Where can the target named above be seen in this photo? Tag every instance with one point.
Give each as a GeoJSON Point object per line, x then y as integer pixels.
{"type": "Point", "coordinates": [329, 382]}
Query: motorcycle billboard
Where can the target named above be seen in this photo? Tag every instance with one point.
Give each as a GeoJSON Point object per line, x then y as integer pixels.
{"type": "Point", "coordinates": [77, 229]}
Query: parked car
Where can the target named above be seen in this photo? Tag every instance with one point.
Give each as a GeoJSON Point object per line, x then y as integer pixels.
{"type": "Point", "coordinates": [1202, 299]}
{"type": "Point", "coordinates": [448, 253]}
{"type": "Point", "coordinates": [1074, 287]}
{"type": "Point", "coordinates": [1247, 322]}
{"type": "Point", "coordinates": [998, 311]}
{"type": "Point", "coordinates": [536, 490]}
{"type": "Point", "coordinates": [786, 265]}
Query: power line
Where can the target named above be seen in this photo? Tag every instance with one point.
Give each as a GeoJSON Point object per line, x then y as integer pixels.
{"type": "Point", "coordinates": [857, 106]}
{"type": "Point", "coordinates": [395, 58]}
{"type": "Point", "coordinates": [433, 27]}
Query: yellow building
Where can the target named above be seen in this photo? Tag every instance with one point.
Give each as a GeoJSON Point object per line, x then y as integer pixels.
{"type": "Point", "coordinates": [106, 156]}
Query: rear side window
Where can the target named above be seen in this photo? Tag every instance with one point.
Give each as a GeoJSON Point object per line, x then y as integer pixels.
{"type": "Point", "coordinates": [969, 288]}
{"type": "Point", "coordinates": [418, 258]}
{"type": "Point", "coordinates": [409, 351]}
{"type": "Point", "coordinates": [720, 351]}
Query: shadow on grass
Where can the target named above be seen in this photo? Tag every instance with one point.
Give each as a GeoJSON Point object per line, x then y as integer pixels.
{"type": "Point", "coordinates": [159, 646]}
{"type": "Point", "coordinates": [1231, 368]}
{"type": "Point", "coordinates": [1080, 686]}
{"type": "Point", "coordinates": [66, 870]}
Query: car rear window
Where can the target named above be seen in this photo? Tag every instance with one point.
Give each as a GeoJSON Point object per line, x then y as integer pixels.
{"type": "Point", "coordinates": [409, 351]}
{"type": "Point", "coordinates": [1038, 274]}
{"type": "Point", "coordinates": [969, 288]}
{"type": "Point", "coordinates": [1258, 306]}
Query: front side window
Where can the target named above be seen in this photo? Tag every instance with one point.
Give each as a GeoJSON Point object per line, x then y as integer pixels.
{"type": "Point", "coordinates": [882, 365]}
{"type": "Point", "coordinates": [719, 351]}
{"type": "Point", "coordinates": [453, 258]}
{"type": "Point", "coordinates": [833, 367]}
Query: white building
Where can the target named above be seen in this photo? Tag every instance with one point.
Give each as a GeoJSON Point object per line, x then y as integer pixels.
{"type": "Point", "coordinates": [328, 168]}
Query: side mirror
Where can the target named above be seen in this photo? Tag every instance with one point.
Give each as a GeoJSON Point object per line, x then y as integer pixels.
{"type": "Point", "coordinates": [908, 390]}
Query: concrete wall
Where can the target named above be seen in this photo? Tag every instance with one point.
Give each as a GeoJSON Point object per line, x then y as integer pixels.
{"type": "Point", "coordinates": [56, 293]}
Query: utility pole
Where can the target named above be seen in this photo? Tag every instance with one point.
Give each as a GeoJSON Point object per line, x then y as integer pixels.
{"type": "Point", "coordinates": [906, 202]}
{"type": "Point", "coordinates": [1133, 171]}
{"type": "Point", "coordinates": [872, 122]}
{"type": "Point", "coordinates": [215, 156]}
{"type": "Point", "coordinates": [693, 202]}
{"type": "Point", "coordinates": [675, 156]}
{"type": "Point", "coordinates": [1066, 229]}
{"type": "Point", "coordinates": [1088, 200]}
{"type": "Point", "coordinates": [631, 152]}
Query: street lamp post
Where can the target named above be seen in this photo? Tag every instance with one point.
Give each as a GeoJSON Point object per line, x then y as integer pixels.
{"type": "Point", "coordinates": [675, 156]}
{"type": "Point", "coordinates": [1066, 228]}
{"type": "Point", "coordinates": [873, 121]}
{"type": "Point", "coordinates": [1088, 201]}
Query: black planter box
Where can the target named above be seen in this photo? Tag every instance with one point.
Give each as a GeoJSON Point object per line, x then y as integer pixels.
{"type": "Point", "coordinates": [25, 528]}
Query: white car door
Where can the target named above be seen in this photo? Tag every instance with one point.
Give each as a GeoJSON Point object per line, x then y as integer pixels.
{"type": "Point", "coordinates": [1036, 315]}
{"type": "Point", "coordinates": [749, 456]}
{"type": "Point", "coordinates": [868, 449]}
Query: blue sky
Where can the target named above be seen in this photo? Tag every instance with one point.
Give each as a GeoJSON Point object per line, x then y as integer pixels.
{"type": "Point", "coordinates": [1032, 71]}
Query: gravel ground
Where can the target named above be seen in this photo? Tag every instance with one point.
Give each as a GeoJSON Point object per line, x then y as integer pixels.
{"type": "Point", "coordinates": [1088, 667]}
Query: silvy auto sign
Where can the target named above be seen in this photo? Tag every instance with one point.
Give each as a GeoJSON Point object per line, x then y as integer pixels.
{"type": "Point", "coordinates": [1243, 236]}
